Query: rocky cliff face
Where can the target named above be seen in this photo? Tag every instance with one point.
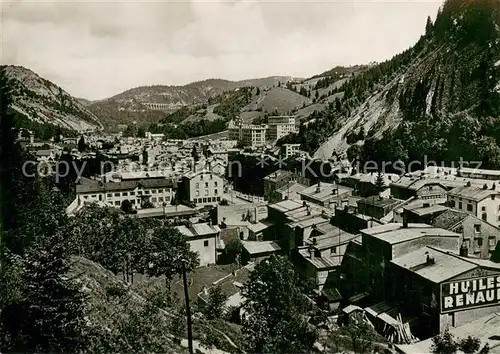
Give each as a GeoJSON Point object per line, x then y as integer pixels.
{"type": "Point", "coordinates": [44, 102]}
{"type": "Point", "coordinates": [449, 78]}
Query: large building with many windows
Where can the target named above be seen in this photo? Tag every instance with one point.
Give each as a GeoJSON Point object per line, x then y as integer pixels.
{"type": "Point", "coordinates": [202, 187]}
{"type": "Point", "coordinates": [155, 191]}
{"type": "Point", "coordinates": [280, 126]}
{"type": "Point", "coordinates": [483, 203]}
{"type": "Point", "coordinates": [247, 134]}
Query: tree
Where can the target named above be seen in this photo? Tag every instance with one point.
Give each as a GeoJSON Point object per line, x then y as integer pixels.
{"type": "Point", "coordinates": [81, 144]}
{"type": "Point", "coordinates": [257, 92]}
{"type": "Point", "coordinates": [127, 207]}
{"type": "Point", "coordinates": [361, 334]}
{"type": "Point", "coordinates": [444, 343]}
{"type": "Point", "coordinates": [379, 183]}
{"type": "Point", "coordinates": [167, 250]}
{"type": "Point", "coordinates": [47, 312]}
{"type": "Point", "coordinates": [428, 27]}
{"type": "Point", "coordinates": [232, 250]}
{"type": "Point", "coordinates": [216, 303]}
{"type": "Point", "coordinates": [470, 345]}
{"type": "Point", "coordinates": [275, 307]}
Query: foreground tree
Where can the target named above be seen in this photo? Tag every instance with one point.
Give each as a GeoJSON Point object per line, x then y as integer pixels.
{"type": "Point", "coordinates": [276, 307]}
{"type": "Point", "coordinates": [216, 303]}
{"type": "Point", "coordinates": [447, 343]}
{"type": "Point", "coordinates": [168, 250]}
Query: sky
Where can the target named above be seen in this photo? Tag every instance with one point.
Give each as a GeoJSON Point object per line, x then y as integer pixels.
{"type": "Point", "coordinates": [97, 49]}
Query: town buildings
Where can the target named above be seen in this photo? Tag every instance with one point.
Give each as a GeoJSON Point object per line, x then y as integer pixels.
{"type": "Point", "coordinates": [204, 239]}
{"type": "Point", "coordinates": [280, 126]}
{"type": "Point", "coordinates": [251, 135]}
{"type": "Point", "coordinates": [481, 202]}
{"type": "Point", "coordinates": [201, 187]}
{"type": "Point", "coordinates": [137, 192]}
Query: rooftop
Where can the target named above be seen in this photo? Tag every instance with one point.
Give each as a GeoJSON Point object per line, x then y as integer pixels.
{"type": "Point", "coordinates": [394, 233]}
{"type": "Point", "coordinates": [324, 191]}
{"type": "Point", "coordinates": [333, 238]}
{"type": "Point", "coordinates": [450, 219]}
{"type": "Point", "coordinates": [256, 247]}
{"type": "Point", "coordinates": [380, 201]}
{"type": "Point", "coordinates": [92, 186]}
{"type": "Point", "coordinates": [278, 175]}
{"type": "Point", "coordinates": [320, 262]}
{"type": "Point", "coordinates": [429, 210]}
{"type": "Point", "coordinates": [472, 193]}
{"type": "Point", "coordinates": [286, 205]}
{"type": "Point", "coordinates": [198, 230]}
{"type": "Point", "coordinates": [446, 265]}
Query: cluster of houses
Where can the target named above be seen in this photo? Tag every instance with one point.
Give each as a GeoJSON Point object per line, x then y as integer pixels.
{"type": "Point", "coordinates": [415, 253]}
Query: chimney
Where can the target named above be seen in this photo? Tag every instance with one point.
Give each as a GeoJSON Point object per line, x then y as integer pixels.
{"type": "Point", "coordinates": [205, 290]}
{"type": "Point", "coordinates": [485, 187]}
{"type": "Point", "coordinates": [464, 251]}
{"type": "Point", "coordinates": [405, 219]}
{"type": "Point", "coordinates": [318, 187]}
{"type": "Point", "coordinates": [493, 187]}
{"type": "Point", "coordinates": [429, 259]}
{"type": "Point", "coordinates": [311, 252]}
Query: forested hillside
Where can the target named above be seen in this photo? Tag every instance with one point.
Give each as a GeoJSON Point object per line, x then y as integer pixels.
{"type": "Point", "coordinates": [439, 98]}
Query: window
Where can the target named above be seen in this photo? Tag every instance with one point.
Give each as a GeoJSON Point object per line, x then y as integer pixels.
{"type": "Point", "coordinates": [334, 250]}
{"type": "Point", "coordinates": [124, 194]}
{"type": "Point", "coordinates": [205, 243]}
{"type": "Point", "coordinates": [139, 193]}
{"type": "Point", "coordinates": [484, 217]}
{"type": "Point", "coordinates": [215, 185]}
{"type": "Point", "coordinates": [459, 205]}
{"type": "Point", "coordinates": [493, 241]}
{"type": "Point", "coordinates": [117, 194]}
{"type": "Point", "coordinates": [133, 201]}
{"type": "Point", "coordinates": [132, 193]}
{"type": "Point", "coordinates": [206, 184]}
{"type": "Point", "coordinates": [160, 190]}
{"type": "Point", "coordinates": [209, 200]}
{"type": "Point", "coordinates": [146, 192]}
{"type": "Point", "coordinates": [153, 191]}
{"type": "Point", "coordinates": [160, 199]}
{"type": "Point", "coordinates": [211, 177]}
{"type": "Point", "coordinates": [94, 195]}
{"type": "Point", "coordinates": [86, 197]}
{"type": "Point", "coordinates": [204, 200]}
{"type": "Point", "coordinates": [197, 185]}
{"type": "Point", "coordinates": [153, 200]}
{"type": "Point", "coordinates": [493, 197]}
{"type": "Point", "coordinates": [197, 193]}
{"type": "Point", "coordinates": [109, 195]}
{"type": "Point", "coordinates": [206, 191]}
{"type": "Point", "coordinates": [215, 192]}
{"type": "Point", "coordinates": [477, 228]}
{"type": "Point", "coordinates": [452, 203]}
{"type": "Point", "coordinates": [218, 199]}
{"type": "Point", "coordinates": [469, 207]}
{"type": "Point", "coordinates": [479, 242]}
{"type": "Point", "coordinates": [117, 203]}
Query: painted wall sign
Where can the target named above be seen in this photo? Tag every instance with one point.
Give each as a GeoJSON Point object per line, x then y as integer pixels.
{"type": "Point", "coordinates": [470, 293]}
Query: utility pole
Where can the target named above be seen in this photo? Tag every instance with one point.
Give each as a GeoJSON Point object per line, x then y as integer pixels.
{"type": "Point", "coordinates": [188, 310]}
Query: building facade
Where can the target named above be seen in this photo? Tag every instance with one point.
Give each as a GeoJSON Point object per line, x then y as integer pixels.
{"type": "Point", "coordinates": [155, 191]}
{"type": "Point", "coordinates": [280, 126]}
{"type": "Point", "coordinates": [482, 203]}
{"type": "Point", "coordinates": [203, 187]}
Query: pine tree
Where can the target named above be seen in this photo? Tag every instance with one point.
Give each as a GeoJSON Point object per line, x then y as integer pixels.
{"type": "Point", "coordinates": [428, 27]}
{"type": "Point", "coordinates": [379, 183]}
